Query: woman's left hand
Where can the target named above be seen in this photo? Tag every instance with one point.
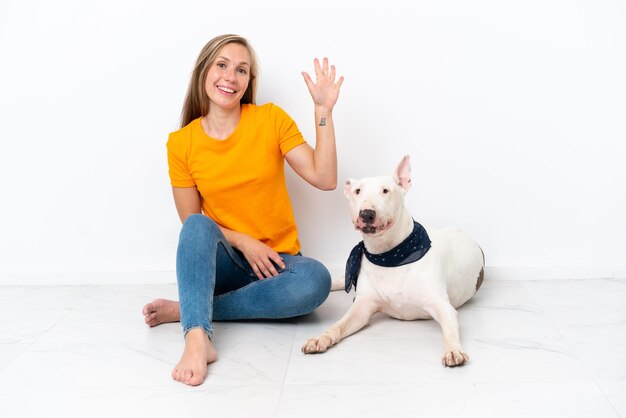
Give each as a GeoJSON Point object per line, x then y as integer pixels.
{"type": "Point", "coordinates": [324, 90]}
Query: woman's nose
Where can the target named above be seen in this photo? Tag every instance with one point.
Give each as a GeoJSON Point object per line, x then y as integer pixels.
{"type": "Point", "coordinates": [230, 75]}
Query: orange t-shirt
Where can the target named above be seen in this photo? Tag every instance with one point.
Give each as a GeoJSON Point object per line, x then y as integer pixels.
{"type": "Point", "coordinates": [241, 179]}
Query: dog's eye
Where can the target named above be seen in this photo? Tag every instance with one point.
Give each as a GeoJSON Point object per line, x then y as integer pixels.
{"type": "Point", "coordinates": [385, 191]}
{"type": "Point", "coordinates": [357, 191]}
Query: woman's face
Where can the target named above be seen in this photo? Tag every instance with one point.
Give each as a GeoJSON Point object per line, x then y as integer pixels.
{"type": "Point", "coordinates": [229, 76]}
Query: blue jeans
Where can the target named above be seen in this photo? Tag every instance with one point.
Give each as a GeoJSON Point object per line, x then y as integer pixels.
{"type": "Point", "coordinates": [215, 282]}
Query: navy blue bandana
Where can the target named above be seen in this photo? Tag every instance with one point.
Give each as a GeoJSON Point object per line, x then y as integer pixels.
{"type": "Point", "coordinates": [408, 251]}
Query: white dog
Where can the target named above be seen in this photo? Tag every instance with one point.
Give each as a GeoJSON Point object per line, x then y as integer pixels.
{"type": "Point", "coordinates": [403, 269]}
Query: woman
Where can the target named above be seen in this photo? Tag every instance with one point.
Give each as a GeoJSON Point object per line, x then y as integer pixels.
{"type": "Point", "coordinates": [239, 254]}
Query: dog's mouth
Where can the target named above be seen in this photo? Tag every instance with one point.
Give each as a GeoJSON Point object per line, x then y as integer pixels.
{"type": "Point", "coordinates": [371, 229]}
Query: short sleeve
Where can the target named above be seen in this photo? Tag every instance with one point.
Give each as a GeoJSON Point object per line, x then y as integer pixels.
{"type": "Point", "coordinates": [289, 136]}
{"type": "Point", "coordinates": [180, 176]}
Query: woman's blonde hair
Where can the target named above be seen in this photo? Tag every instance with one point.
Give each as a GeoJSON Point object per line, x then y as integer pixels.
{"type": "Point", "coordinates": [196, 101]}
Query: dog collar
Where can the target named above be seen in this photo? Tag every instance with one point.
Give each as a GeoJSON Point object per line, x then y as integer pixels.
{"type": "Point", "coordinates": [408, 251]}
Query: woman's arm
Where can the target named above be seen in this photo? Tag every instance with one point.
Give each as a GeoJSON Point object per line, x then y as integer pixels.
{"type": "Point", "coordinates": [319, 166]}
{"type": "Point", "coordinates": [188, 201]}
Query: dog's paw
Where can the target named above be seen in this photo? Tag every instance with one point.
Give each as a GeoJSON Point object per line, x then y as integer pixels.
{"type": "Point", "coordinates": [317, 345]}
{"type": "Point", "coordinates": [452, 358]}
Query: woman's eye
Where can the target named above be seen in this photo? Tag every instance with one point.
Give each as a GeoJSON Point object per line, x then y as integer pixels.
{"type": "Point", "coordinates": [357, 191]}
{"type": "Point", "coordinates": [242, 71]}
{"type": "Point", "coordinates": [221, 65]}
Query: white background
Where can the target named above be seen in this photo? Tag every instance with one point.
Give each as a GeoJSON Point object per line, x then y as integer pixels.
{"type": "Point", "coordinates": [514, 115]}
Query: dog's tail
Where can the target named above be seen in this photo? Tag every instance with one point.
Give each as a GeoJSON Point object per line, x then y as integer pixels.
{"type": "Point", "coordinates": [481, 275]}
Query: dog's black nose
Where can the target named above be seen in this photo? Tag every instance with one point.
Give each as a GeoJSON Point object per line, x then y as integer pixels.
{"type": "Point", "coordinates": [368, 215]}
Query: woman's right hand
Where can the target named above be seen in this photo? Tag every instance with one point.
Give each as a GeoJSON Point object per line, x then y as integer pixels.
{"type": "Point", "coordinates": [262, 258]}
{"type": "Point", "coordinates": [259, 255]}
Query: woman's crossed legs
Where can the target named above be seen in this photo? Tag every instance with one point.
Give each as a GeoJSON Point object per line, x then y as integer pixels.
{"type": "Point", "coordinates": [215, 282]}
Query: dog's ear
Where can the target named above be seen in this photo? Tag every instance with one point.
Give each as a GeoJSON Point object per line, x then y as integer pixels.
{"type": "Point", "coordinates": [402, 175]}
{"type": "Point", "coordinates": [348, 187]}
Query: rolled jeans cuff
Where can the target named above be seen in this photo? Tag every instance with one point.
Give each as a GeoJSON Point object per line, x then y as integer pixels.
{"type": "Point", "coordinates": [207, 330]}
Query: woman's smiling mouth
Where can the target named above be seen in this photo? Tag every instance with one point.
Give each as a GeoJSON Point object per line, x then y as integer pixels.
{"type": "Point", "coordinates": [226, 90]}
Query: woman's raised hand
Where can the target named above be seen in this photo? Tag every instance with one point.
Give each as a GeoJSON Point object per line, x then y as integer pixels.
{"type": "Point", "coordinates": [325, 90]}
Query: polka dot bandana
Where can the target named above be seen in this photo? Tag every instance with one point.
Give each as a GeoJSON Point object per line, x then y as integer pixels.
{"type": "Point", "coordinates": [408, 251]}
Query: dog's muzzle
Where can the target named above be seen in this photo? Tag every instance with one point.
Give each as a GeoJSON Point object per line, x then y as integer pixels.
{"type": "Point", "coordinates": [369, 222]}
{"type": "Point", "coordinates": [367, 218]}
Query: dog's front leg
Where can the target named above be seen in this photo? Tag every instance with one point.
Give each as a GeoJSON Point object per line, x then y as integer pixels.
{"type": "Point", "coordinates": [446, 316]}
{"type": "Point", "coordinates": [357, 317]}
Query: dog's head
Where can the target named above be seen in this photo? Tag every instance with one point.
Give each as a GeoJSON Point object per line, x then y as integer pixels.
{"type": "Point", "coordinates": [376, 202]}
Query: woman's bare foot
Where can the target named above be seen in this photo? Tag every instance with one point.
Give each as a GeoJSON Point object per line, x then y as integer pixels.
{"type": "Point", "coordinates": [199, 353]}
{"type": "Point", "coordinates": [160, 311]}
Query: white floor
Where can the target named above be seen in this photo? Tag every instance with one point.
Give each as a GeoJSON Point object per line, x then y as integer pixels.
{"type": "Point", "coordinates": [537, 348]}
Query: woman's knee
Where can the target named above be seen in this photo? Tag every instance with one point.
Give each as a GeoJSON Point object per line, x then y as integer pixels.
{"type": "Point", "coordinates": [197, 225]}
{"type": "Point", "coordinates": [321, 279]}
{"type": "Point", "coordinates": [315, 282]}
{"type": "Point", "coordinates": [198, 238]}
{"type": "Point", "coordinates": [198, 220]}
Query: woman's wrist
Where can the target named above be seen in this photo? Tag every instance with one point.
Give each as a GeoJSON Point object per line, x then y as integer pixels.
{"type": "Point", "coordinates": [323, 111]}
{"type": "Point", "coordinates": [323, 116]}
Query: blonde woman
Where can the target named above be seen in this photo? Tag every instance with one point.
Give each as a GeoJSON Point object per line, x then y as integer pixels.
{"type": "Point", "coordinates": [238, 254]}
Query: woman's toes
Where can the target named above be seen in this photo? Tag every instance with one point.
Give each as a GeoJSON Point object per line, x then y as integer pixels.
{"type": "Point", "coordinates": [152, 319]}
{"type": "Point", "coordinates": [195, 380]}
{"type": "Point", "coordinates": [147, 309]}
